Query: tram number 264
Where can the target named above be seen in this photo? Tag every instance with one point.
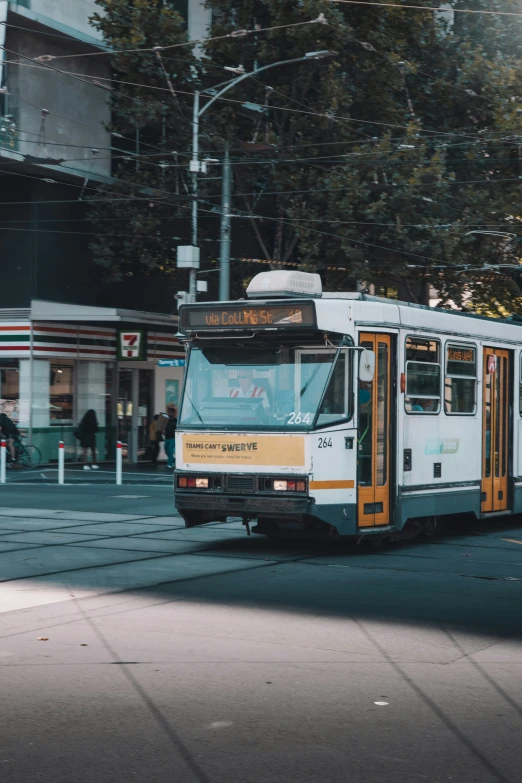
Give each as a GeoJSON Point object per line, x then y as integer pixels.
{"type": "Point", "coordinates": [325, 443]}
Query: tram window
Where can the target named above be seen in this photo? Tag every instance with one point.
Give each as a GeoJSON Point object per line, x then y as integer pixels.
{"type": "Point", "coordinates": [423, 373]}
{"type": "Point", "coordinates": [520, 386]}
{"type": "Point", "coordinates": [336, 399]}
{"type": "Point", "coordinates": [461, 379]}
{"type": "Point", "coordinates": [247, 387]}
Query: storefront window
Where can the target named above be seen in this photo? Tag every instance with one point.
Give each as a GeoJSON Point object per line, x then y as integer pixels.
{"type": "Point", "coordinates": [61, 393]}
{"type": "Point", "coordinates": [10, 388]}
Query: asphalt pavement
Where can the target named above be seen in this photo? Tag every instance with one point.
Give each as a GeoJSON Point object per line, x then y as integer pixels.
{"type": "Point", "coordinates": [134, 649]}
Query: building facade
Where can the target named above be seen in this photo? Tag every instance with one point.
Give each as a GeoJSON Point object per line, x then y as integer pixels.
{"type": "Point", "coordinates": [68, 342]}
{"type": "Point", "coordinates": [58, 361]}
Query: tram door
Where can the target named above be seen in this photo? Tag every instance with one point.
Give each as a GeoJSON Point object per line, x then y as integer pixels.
{"type": "Point", "coordinates": [495, 430]}
{"type": "Point", "coordinates": [374, 436]}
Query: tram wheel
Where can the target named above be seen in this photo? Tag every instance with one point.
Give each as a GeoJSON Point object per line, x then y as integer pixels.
{"type": "Point", "coordinates": [373, 542]}
{"type": "Point", "coordinates": [430, 526]}
{"type": "Point", "coordinates": [192, 518]}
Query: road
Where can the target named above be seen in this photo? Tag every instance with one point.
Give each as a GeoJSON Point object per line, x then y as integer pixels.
{"type": "Point", "coordinates": [133, 649]}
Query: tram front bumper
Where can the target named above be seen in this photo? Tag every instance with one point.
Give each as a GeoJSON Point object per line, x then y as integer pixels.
{"type": "Point", "coordinates": [273, 514]}
{"type": "Point", "coordinates": [238, 505]}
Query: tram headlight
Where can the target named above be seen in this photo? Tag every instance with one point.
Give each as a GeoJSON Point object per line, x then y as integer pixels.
{"type": "Point", "coordinates": [195, 482]}
{"type": "Point", "coordinates": [289, 485]}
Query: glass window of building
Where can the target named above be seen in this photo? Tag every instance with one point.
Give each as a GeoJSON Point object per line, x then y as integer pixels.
{"type": "Point", "coordinates": [10, 388]}
{"type": "Point", "coordinates": [61, 392]}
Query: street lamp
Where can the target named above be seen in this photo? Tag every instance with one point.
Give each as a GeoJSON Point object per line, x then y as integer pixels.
{"type": "Point", "coordinates": [197, 166]}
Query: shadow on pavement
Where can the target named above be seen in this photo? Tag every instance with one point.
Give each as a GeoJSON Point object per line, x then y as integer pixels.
{"type": "Point", "coordinates": [445, 582]}
{"type": "Point", "coordinates": [468, 579]}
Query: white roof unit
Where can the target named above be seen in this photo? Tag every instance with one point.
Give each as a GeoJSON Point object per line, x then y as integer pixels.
{"type": "Point", "coordinates": [280, 283]}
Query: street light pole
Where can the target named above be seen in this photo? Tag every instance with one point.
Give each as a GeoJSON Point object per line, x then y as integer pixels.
{"type": "Point", "coordinates": [196, 165]}
{"type": "Point", "coordinates": [194, 169]}
{"type": "Point", "coordinates": [224, 254]}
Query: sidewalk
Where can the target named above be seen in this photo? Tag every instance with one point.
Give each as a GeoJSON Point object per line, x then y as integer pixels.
{"type": "Point", "coordinates": [74, 474]}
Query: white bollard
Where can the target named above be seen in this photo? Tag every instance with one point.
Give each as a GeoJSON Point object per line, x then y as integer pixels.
{"type": "Point", "coordinates": [3, 459]}
{"type": "Point", "coordinates": [119, 460]}
{"type": "Point", "coordinates": [61, 462]}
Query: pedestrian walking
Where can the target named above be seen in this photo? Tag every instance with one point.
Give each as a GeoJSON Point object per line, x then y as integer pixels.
{"type": "Point", "coordinates": [170, 432]}
{"type": "Point", "coordinates": [87, 434]}
{"type": "Point", "coordinates": [156, 430]}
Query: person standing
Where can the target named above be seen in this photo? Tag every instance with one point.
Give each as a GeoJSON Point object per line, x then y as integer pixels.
{"type": "Point", "coordinates": [170, 432]}
{"type": "Point", "coordinates": [9, 431]}
{"type": "Point", "coordinates": [87, 431]}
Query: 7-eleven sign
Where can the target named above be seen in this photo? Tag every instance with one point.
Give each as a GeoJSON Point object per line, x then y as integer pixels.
{"type": "Point", "coordinates": [130, 345]}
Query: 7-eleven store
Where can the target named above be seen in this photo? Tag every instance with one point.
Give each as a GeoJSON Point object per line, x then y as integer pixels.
{"type": "Point", "coordinates": [57, 361]}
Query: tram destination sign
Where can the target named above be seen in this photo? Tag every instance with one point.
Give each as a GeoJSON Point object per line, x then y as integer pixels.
{"type": "Point", "coordinates": [247, 316]}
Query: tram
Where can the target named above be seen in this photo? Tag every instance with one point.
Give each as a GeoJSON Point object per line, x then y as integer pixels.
{"type": "Point", "coordinates": [314, 414]}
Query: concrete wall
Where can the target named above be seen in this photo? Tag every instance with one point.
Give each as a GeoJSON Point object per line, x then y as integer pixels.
{"type": "Point", "coordinates": [77, 111]}
{"type": "Point", "coordinates": [67, 15]}
{"type": "Point", "coordinates": [199, 20]}
{"type": "Point", "coordinates": [92, 388]}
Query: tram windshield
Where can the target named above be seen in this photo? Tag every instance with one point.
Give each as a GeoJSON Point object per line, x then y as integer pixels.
{"type": "Point", "coordinates": [277, 387]}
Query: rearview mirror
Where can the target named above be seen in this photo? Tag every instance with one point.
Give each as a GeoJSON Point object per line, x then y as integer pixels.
{"type": "Point", "coordinates": [367, 366]}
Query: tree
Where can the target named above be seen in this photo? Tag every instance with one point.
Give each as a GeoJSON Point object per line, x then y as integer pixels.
{"type": "Point", "coordinates": [379, 165]}
{"type": "Point", "coordinates": [418, 154]}
{"type": "Point", "coordinates": [151, 125]}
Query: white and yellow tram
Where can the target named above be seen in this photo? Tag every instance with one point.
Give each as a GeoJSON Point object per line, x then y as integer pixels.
{"type": "Point", "coordinates": [343, 414]}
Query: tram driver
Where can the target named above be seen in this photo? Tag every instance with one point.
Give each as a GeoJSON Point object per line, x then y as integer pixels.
{"type": "Point", "coordinates": [248, 388]}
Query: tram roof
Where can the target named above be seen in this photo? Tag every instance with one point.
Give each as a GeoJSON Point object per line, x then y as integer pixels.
{"type": "Point", "coordinates": [357, 296]}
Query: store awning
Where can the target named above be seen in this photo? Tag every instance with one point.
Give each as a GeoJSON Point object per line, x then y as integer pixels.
{"type": "Point", "coordinates": [57, 311]}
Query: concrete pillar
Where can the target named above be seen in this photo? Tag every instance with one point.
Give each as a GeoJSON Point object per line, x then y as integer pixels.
{"type": "Point", "coordinates": [133, 444]}
{"type": "Point", "coordinates": [40, 392]}
{"type": "Point", "coordinates": [92, 389]}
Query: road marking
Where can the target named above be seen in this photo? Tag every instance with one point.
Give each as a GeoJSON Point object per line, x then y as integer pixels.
{"type": "Point", "coordinates": [130, 497]}
{"type": "Point", "coordinates": [512, 541]}
{"type": "Point", "coordinates": [55, 514]}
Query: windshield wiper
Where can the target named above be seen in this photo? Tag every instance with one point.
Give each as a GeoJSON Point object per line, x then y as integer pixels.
{"type": "Point", "coordinates": [307, 384]}
{"type": "Point", "coordinates": [194, 407]}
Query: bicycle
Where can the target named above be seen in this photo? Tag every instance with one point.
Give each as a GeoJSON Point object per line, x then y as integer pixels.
{"type": "Point", "coordinates": [27, 455]}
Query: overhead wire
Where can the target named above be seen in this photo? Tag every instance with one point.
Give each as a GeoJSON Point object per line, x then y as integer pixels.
{"type": "Point", "coordinates": [326, 115]}
{"type": "Point", "coordinates": [42, 32]}
{"type": "Point", "coordinates": [85, 124]}
{"type": "Point", "coordinates": [371, 49]}
{"type": "Point", "coordinates": [347, 188]}
{"type": "Point", "coordinates": [234, 34]}
{"type": "Point", "coordinates": [442, 226]}
{"type": "Point", "coordinates": [335, 236]}
{"type": "Point", "coordinates": [48, 180]}
{"type": "Point", "coordinates": [445, 9]}
{"type": "Point", "coordinates": [83, 233]}
{"type": "Point", "coordinates": [307, 112]}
